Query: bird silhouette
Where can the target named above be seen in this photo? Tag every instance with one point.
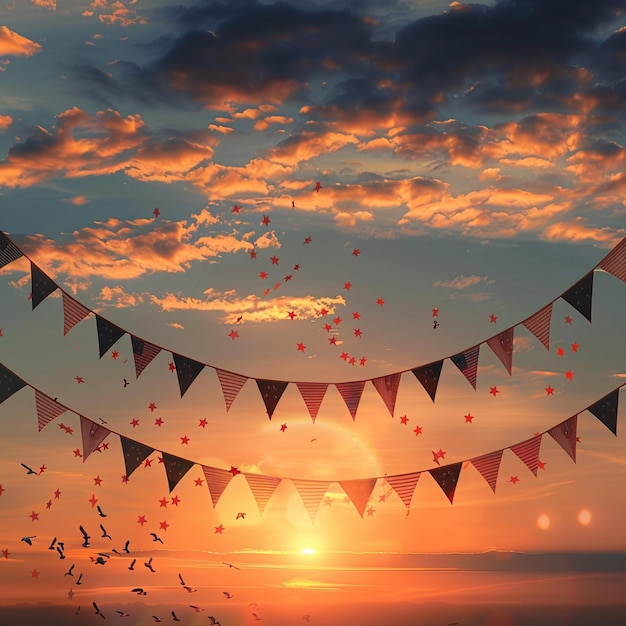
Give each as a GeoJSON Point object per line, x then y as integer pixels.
{"type": "Point", "coordinates": [241, 516]}
{"type": "Point", "coordinates": [122, 614]}
{"type": "Point", "coordinates": [176, 619]}
{"type": "Point", "coordinates": [257, 617]}
{"type": "Point", "coordinates": [155, 537]}
{"type": "Point", "coordinates": [197, 609]}
{"type": "Point", "coordinates": [70, 572]}
{"type": "Point", "coordinates": [116, 552]}
{"type": "Point", "coordinates": [98, 611]}
{"type": "Point", "coordinates": [100, 513]}
{"type": "Point", "coordinates": [100, 561]}
{"type": "Point", "coordinates": [29, 470]}
{"type": "Point", "coordinates": [28, 540]}
{"type": "Point", "coordinates": [80, 579]}
{"type": "Point", "coordinates": [126, 546]}
{"type": "Point", "coordinates": [148, 564]}
{"type": "Point", "coordinates": [156, 619]}
{"type": "Point", "coordinates": [213, 621]}
{"type": "Point", "coordinates": [61, 555]}
{"type": "Point", "coordinates": [86, 537]}
{"type": "Point", "coordinates": [139, 591]}
{"type": "Point", "coordinates": [231, 565]}
{"type": "Point", "coordinates": [227, 594]}
{"type": "Point", "coordinates": [51, 546]}
{"type": "Point", "coordinates": [182, 582]}
{"type": "Point", "coordinates": [126, 383]}
{"type": "Point", "coordinates": [132, 565]}
{"type": "Point", "coordinates": [105, 534]}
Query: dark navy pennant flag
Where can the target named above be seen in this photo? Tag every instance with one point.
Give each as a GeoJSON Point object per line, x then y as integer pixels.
{"type": "Point", "coordinates": [9, 383]}
{"type": "Point", "coordinates": [579, 296]}
{"type": "Point", "coordinates": [271, 391]}
{"type": "Point", "coordinates": [108, 334]}
{"type": "Point", "coordinates": [447, 477]}
{"type": "Point", "coordinates": [41, 285]}
{"type": "Point", "coordinates": [135, 453]}
{"type": "Point", "coordinates": [429, 375]}
{"type": "Point", "coordinates": [175, 468]}
{"type": "Point", "coordinates": [187, 371]}
{"type": "Point", "coordinates": [605, 410]}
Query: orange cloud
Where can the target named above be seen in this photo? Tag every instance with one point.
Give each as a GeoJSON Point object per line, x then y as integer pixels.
{"type": "Point", "coordinates": [46, 4]}
{"type": "Point", "coordinates": [12, 44]}
{"type": "Point", "coordinates": [577, 230]}
{"type": "Point", "coordinates": [266, 122]}
{"type": "Point", "coordinates": [114, 12]}
{"type": "Point", "coordinates": [77, 200]}
{"type": "Point", "coordinates": [5, 122]}
{"type": "Point", "coordinates": [463, 282]}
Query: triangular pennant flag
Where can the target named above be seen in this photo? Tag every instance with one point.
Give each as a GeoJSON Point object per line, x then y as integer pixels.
{"type": "Point", "coordinates": [579, 296]}
{"type": "Point", "coordinates": [271, 391]}
{"type": "Point", "coordinates": [143, 353]}
{"type": "Point", "coordinates": [467, 362]}
{"type": "Point", "coordinates": [387, 387]}
{"type": "Point", "coordinates": [262, 487]}
{"type": "Point", "coordinates": [351, 394]}
{"type": "Point", "coordinates": [73, 312]}
{"type": "Point", "coordinates": [312, 394]}
{"type": "Point", "coordinates": [92, 434]}
{"type": "Point", "coordinates": [187, 371]}
{"type": "Point", "coordinates": [539, 324]}
{"type": "Point", "coordinates": [615, 261]}
{"type": "Point", "coordinates": [429, 375]}
{"type": "Point", "coordinates": [489, 465]}
{"type": "Point", "coordinates": [605, 410]}
{"type": "Point", "coordinates": [216, 480]}
{"type": "Point", "coordinates": [565, 435]}
{"type": "Point", "coordinates": [528, 451]}
{"type": "Point", "coordinates": [311, 492]}
{"type": "Point", "coordinates": [8, 250]}
{"type": "Point", "coordinates": [9, 383]}
{"type": "Point", "coordinates": [108, 334]}
{"type": "Point", "coordinates": [231, 384]}
{"type": "Point", "coordinates": [359, 491]}
{"type": "Point", "coordinates": [47, 409]}
{"type": "Point", "coordinates": [447, 477]}
{"type": "Point", "coordinates": [502, 346]}
{"type": "Point", "coordinates": [135, 453]}
{"type": "Point", "coordinates": [41, 285]}
{"type": "Point", "coordinates": [175, 468]}
{"type": "Point", "coordinates": [404, 486]}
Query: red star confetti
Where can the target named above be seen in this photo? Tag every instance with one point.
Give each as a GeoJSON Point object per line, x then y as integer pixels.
{"type": "Point", "coordinates": [266, 220]}
{"type": "Point", "coordinates": [236, 209]}
{"type": "Point", "coordinates": [380, 302]}
{"type": "Point", "coordinates": [274, 259]}
{"type": "Point", "coordinates": [163, 503]}
{"type": "Point", "coordinates": [263, 275]}
{"type": "Point", "coordinates": [296, 267]}
{"type": "Point", "coordinates": [328, 327]}
{"type": "Point", "coordinates": [34, 574]}
{"type": "Point", "coordinates": [337, 321]}
{"type": "Point", "coordinates": [404, 420]}
{"type": "Point", "coordinates": [152, 406]}
{"type": "Point", "coordinates": [42, 469]}
{"type": "Point", "coordinates": [332, 341]}
{"type": "Point", "coordinates": [560, 352]}
{"type": "Point", "coordinates": [307, 241]}
{"type": "Point", "coordinates": [233, 334]}
{"type": "Point", "coordinates": [219, 530]}
{"type": "Point", "coordinates": [358, 332]}
{"type": "Point", "coordinates": [344, 356]}
{"type": "Point", "coordinates": [352, 360]}
{"type": "Point", "coordinates": [356, 252]}
{"type": "Point", "coordinates": [203, 423]}
{"type": "Point", "coordinates": [568, 319]}
{"type": "Point", "coordinates": [494, 391]}
{"type": "Point", "coordinates": [163, 525]}
{"type": "Point", "coordinates": [417, 430]}
{"type": "Point", "coordinates": [575, 347]}
{"type": "Point", "coordinates": [98, 481]}
{"type": "Point", "coordinates": [49, 504]}
{"type": "Point", "coordinates": [198, 482]}
{"type": "Point", "coordinates": [34, 516]}
{"type": "Point", "coordinates": [184, 440]}
{"type": "Point", "coordinates": [569, 374]}
{"type": "Point", "coordinates": [549, 391]}
{"type": "Point", "coordinates": [370, 511]}
{"type": "Point", "coordinates": [79, 379]}
{"type": "Point", "coordinates": [234, 471]}
{"type": "Point", "coordinates": [141, 519]}
{"type": "Point", "coordinates": [77, 453]}
{"type": "Point", "coordinates": [318, 186]}
{"type": "Point", "coordinates": [156, 212]}
{"type": "Point", "coordinates": [291, 314]}
{"type": "Point", "coordinates": [356, 315]}
{"type": "Point", "coordinates": [514, 479]}
{"type": "Point", "coordinates": [57, 493]}
{"type": "Point", "coordinates": [324, 312]}
{"type": "Point", "coordinates": [158, 422]}
{"type": "Point", "coordinates": [362, 360]}
{"type": "Point", "coordinates": [435, 312]}
{"type": "Point", "coordinates": [301, 347]}
{"type": "Point", "coordinates": [492, 318]}
{"type": "Point", "coordinates": [283, 428]}
{"type": "Point", "coordinates": [252, 254]}
{"type": "Point", "coordinates": [5, 553]}
{"type": "Point", "coordinates": [147, 463]}
{"type": "Point", "coordinates": [134, 422]}
{"type": "Point", "coordinates": [347, 286]}
{"type": "Point", "coordinates": [175, 500]}
{"type": "Point", "coordinates": [125, 479]}
{"type": "Point", "coordinates": [115, 354]}
{"type": "Point", "coordinates": [93, 500]}
{"type": "Point", "coordinates": [287, 278]}
{"type": "Point", "coordinates": [541, 465]}
{"type": "Point", "coordinates": [469, 418]}
{"type": "Point", "coordinates": [171, 366]}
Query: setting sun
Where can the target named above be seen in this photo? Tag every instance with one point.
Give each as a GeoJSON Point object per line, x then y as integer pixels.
{"type": "Point", "coordinates": [307, 551]}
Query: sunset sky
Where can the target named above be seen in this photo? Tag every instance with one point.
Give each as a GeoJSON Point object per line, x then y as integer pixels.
{"type": "Point", "coordinates": [308, 192]}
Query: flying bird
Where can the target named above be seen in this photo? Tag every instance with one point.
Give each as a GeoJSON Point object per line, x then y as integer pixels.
{"type": "Point", "coordinates": [28, 469]}
{"type": "Point", "coordinates": [126, 546]}
{"type": "Point", "coordinates": [176, 619]}
{"type": "Point", "coordinates": [197, 609]}
{"type": "Point", "coordinates": [156, 619]}
{"type": "Point", "coordinates": [86, 537]}
{"type": "Point", "coordinates": [257, 617]}
{"type": "Point", "coordinates": [155, 537]}
{"type": "Point", "coordinates": [132, 565]}
{"type": "Point", "coordinates": [80, 579]}
{"type": "Point", "coordinates": [139, 591]}
{"type": "Point", "coordinates": [28, 540]}
{"type": "Point", "coordinates": [148, 564]}
{"type": "Point", "coordinates": [122, 614]}
{"type": "Point", "coordinates": [228, 595]}
{"type": "Point", "coordinates": [105, 534]}
{"type": "Point", "coordinates": [100, 561]}
{"type": "Point", "coordinates": [51, 546]}
{"type": "Point", "coordinates": [103, 421]}
{"type": "Point", "coordinates": [98, 611]}
{"type": "Point", "coordinates": [116, 552]}
{"type": "Point", "coordinates": [214, 622]}
{"type": "Point", "coordinates": [231, 565]}
{"type": "Point", "coordinates": [126, 383]}
{"type": "Point", "coordinates": [61, 555]}
{"type": "Point", "coordinates": [100, 513]}
{"type": "Point", "coordinates": [70, 572]}
{"type": "Point", "coordinates": [241, 516]}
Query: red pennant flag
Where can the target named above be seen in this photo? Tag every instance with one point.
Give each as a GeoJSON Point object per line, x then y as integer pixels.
{"type": "Point", "coordinates": [489, 465]}
{"type": "Point", "coordinates": [404, 486]}
{"type": "Point", "coordinates": [359, 491]}
{"type": "Point", "coordinates": [447, 477]}
{"type": "Point", "coordinates": [311, 492]}
{"type": "Point", "coordinates": [467, 362]}
{"type": "Point", "coordinates": [502, 346]}
{"type": "Point", "coordinates": [387, 387]}
{"type": "Point", "coordinates": [579, 296]}
{"type": "Point", "coordinates": [92, 434]}
{"type": "Point", "coordinates": [605, 410]}
{"type": "Point", "coordinates": [143, 353]}
{"type": "Point", "coordinates": [216, 480]}
{"type": "Point", "coordinates": [565, 435]}
{"type": "Point", "coordinates": [175, 468]}
{"type": "Point", "coordinates": [539, 325]}
{"type": "Point", "coordinates": [351, 394]}
{"type": "Point", "coordinates": [8, 250]}
{"type": "Point", "coordinates": [429, 375]}
{"type": "Point", "coordinates": [135, 453]}
{"type": "Point", "coordinates": [271, 391]}
{"type": "Point", "coordinates": [262, 487]}
{"type": "Point", "coordinates": [73, 312]}
{"type": "Point", "coordinates": [41, 285]}
{"type": "Point", "coordinates": [47, 409]}
{"type": "Point", "coordinates": [187, 371]}
{"type": "Point", "coordinates": [528, 452]}
{"type": "Point", "coordinates": [312, 394]}
{"type": "Point", "coordinates": [615, 261]}
{"type": "Point", "coordinates": [231, 384]}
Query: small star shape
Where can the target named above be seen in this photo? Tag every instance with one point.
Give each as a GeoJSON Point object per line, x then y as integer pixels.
{"type": "Point", "coordinates": [34, 516]}
{"type": "Point", "coordinates": [337, 321]}
{"type": "Point", "coordinates": [156, 212]}
{"type": "Point", "coordinates": [296, 267]}
{"type": "Point", "coordinates": [324, 311]}
{"type": "Point", "coordinates": [233, 334]}
{"type": "Point", "coordinates": [358, 332]}
{"type": "Point", "coordinates": [307, 241]}
{"type": "Point", "coordinates": [274, 259]}
{"type": "Point", "coordinates": [356, 315]}
{"type": "Point", "coordinates": [575, 347]}
{"type": "Point", "coordinates": [49, 504]}
{"type": "Point", "coordinates": [219, 530]}
{"type": "Point", "coordinates": [203, 423]}
{"type": "Point", "coordinates": [236, 209]}
{"type": "Point", "coordinates": [494, 391]}
{"type": "Point", "coordinates": [93, 500]}
{"type": "Point", "coordinates": [417, 430]}
{"type": "Point", "coordinates": [356, 252]}
{"type": "Point", "coordinates": [5, 553]}
{"type": "Point", "coordinates": [42, 469]}
{"type": "Point", "coordinates": [380, 302]}
{"type": "Point", "coordinates": [287, 278]}
{"type": "Point", "coordinates": [370, 511]}
{"type": "Point", "coordinates": [163, 525]}
{"type": "Point", "coordinates": [263, 275]}
{"type": "Point", "coordinates": [469, 417]}
{"type": "Point", "coordinates": [34, 574]}
{"type": "Point", "coordinates": [492, 318]}
{"type": "Point", "coordinates": [163, 502]}
{"type": "Point", "coordinates": [266, 220]}
{"type": "Point", "coordinates": [175, 500]}
{"type": "Point", "coordinates": [252, 254]}
{"type": "Point", "coordinates": [344, 356]}
{"type": "Point", "coordinates": [125, 479]}
{"type": "Point", "coordinates": [514, 479]}
{"type": "Point", "coordinates": [152, 406]}
{"type": "Point", "coordinates": [328, 327]}
{"type": "Point", "coordinates": [134, 422]}
{"type": "Point", "coordinates": [115, 354]}
{"type": "Point", "coordinates": [198, 482]}
{"type": "Point", "coordinates": [560, 352]}
{"type": "Point", "coordinates": [147, 463]}
{"type": "Point", "coordinates": [184, 440]}
{"type": "Point", "coordinates": [77, 453]}
{"type": "Point", "coordinates": [98, 481]}
{"type": "Point", "coordinates": [159, 422]}
{"type": "Point", "coordinates": [362, 360]}
{"type": "Point", "coordinates": [347, 286]}
{"type": "Point", "coordinates": [541, 465]}
{"type": "Point", "coordinates": [568, 319]}
{"type": "Point", "coordinates": [301, 347]}
{"type": "Point", "coordinates": [283, 428]}
{"type": "Point", "coordinates": [171, 366]}
{"type": "Point", "coordinates": [79, 379]}
{"type": "Point", "coordinates": [141, 519]}
{"type": "Point", "coordinates": [569, 374]}
{"type": "Point", "coordinates": [435, 312]}
{"type": "Point", "coordinates": [333, 341]}
{"type": "Point", "coordinates": [234, 471]}
{"type": "Point", "coordinates": [549, 391]}
{"type": "Point", "coordinates": [57, 493]}
{"type": "Point", "coordinates": [404, 420]}
{"type": "Point", "coordinates": [352, 360]}
{"type": "Point", "coordinates": [291, 314]}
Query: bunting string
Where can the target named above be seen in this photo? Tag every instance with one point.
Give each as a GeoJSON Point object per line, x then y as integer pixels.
{"type": "Point", "coordinates": [358, 491]}
{"type": "Point", "coordinates": [579, 296]}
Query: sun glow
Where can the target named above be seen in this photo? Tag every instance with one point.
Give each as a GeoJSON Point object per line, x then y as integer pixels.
{"type": "Point", "coordinates": [307, 551]}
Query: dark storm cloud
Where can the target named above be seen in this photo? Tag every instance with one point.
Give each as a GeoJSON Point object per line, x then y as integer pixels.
{"type": "Point", "coordinates": [506, 57]}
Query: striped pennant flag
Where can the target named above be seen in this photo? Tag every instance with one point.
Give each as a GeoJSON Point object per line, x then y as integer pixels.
{"type": "Point", "coordinates": [387, 387]}
{"type": "Point", "coordinates": [311, 492]}
{"type": "Point", "coordinates": [467, 363]}
{"type": "Point", "coordinates": [262, 487]}
{"type": "Point", "coordinates": [143, 353]}
{"type": "Point", "coordinates": [351, 394]}
{"type": "Point", "coordinates": [502, 346]}
{"type": "Point", "coordinates": [539, 324]}
{"type": "Point", "coordinates": [216, 480]}
{"type": "Point", "coordinates": [528, 452]}
{"type": "Point", "coordinates": [489, 465]}
{"type": "Point", "coordinates": [8, 250]}
{"type": "Point", "coordinates": [404, 486]}
{"type": "Point", "coordinates": [615, 261]}
{"type": "Point", "coordinates": [92, 435]}
{"type": "Point", "coordinates": [47, 409]}
{"type": "Point", "coordinates": [565, 435]}
{"type": "Point", "coordinates": [73, 312]}
{"type": "Point", "coordinates": [231, 384]}
{"type": "Point", "coordinates": [312, 394]}
{"type": "Point", "coordinates": [359, 491]}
